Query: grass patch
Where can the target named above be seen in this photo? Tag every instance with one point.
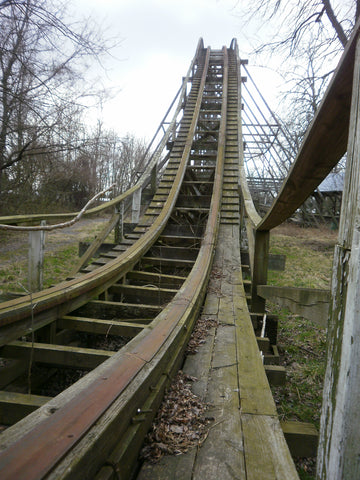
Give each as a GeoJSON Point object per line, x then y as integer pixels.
{"type": "Point", "coordinates": [61, 251]}
{"type": "Point", "coordinates": [309, 254]}
{"type": "Point", "coordinates": [302, 344]}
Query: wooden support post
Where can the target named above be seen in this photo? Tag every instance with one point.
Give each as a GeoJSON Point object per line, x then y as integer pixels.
{"type": "Point", "coordinates": [302, 438]}
{"type": "Point", "coordinates": [136, 204]}
{"type": "Point", "coordinates": [119, 227]}
{"type": "Point", "coordinates": [153, 183]}
{"type": "Point", "coordinates": [36, 259]}
{"type": "Point", "coordinates": [259, 270]}
{"type": "Point", "coordinates": [338, 453]}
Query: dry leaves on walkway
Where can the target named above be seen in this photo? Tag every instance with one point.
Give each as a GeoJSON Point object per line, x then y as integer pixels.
{"type": "Point", "coordinates": [200, 332]}
{"type": "Point", "coordinates": [180, 423]}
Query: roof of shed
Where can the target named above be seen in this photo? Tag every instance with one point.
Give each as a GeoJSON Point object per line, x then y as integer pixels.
{"type": "Point", "coordinates": [334, 182]}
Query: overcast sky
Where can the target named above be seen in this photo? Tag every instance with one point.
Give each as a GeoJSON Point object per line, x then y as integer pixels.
{"type": "Point", "coordinates": [158, 42]}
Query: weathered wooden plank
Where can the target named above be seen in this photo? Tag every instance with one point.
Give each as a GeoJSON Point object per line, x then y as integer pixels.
{"type": "Point", "coordinates": [56, 354]}
{"type": "Point", "coordinates": [173, 252]}
{"type": "Point", "coordinates": [269, 458]}
{"type": "Point", "coordinates": [15, 406]}
{"type": "Point", "coordinates": [338, 455]}
{"type": "Point", "coordinates": [308, 302]}
{"type": "Point", "coordinates": [276, 374]}
{"type": "Point", "coordinates": [151, 295]}
{"type": "Point", "coordinates": [116, 310]}
{"type": "Point", "coordinates": [255, 395]}
{"type": "Point", "coordinates": [167, 262]}
{"type": "Point", "coordinates": [176, 466]}
{"type": "Point", "coordinates": [302, 438]}
{"type": "Point", "coordinates": [161, 280]}
{"type": "Point", "coordinates": [102, 327]}
{"type": "Point", "coordinates": [222, 393]}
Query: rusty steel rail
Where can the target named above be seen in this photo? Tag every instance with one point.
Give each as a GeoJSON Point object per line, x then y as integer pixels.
{"type": "Point", "coordinates": [65, 438]}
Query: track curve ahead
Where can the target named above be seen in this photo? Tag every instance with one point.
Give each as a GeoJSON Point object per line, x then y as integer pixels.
{"type": "Point", "coordinates": [148, 289]}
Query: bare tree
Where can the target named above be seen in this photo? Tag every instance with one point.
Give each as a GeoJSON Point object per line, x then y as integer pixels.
{"type": "Point", "coordinates": [301, 21]}
{"type": "Point", "coordinates": [310, 35]}
{"type": "Point", "coordinates": [42, 83]}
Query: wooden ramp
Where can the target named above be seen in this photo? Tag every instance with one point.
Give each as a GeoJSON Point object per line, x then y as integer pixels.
{"type": "Point", "coordinates": [245, 440]}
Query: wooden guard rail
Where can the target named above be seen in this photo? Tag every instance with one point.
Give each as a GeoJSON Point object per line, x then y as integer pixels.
{"type": "Point", "coordinates": [121, 384]}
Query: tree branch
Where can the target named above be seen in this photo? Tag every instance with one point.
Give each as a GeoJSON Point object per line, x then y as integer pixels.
{"type": "Point", "coordinates": [335, 23]}
{"type": "Point", "coordinates": [49, 228]}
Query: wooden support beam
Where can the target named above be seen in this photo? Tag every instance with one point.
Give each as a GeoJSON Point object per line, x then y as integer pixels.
{"type": "Point", "coordinates": [338, 455]}
{"type": "Point", "coordinates": [102, 327]}
{"type": "Point", "coordinates": [276, 374]}
{"type": "Point", "coordinates": [137, 277]}
{"type": "Point", "coordinates": [259, 269]}
{"type": "Point", "coordinates": [36, 259]}
{"type": "Point", "coordinates": [15, 406]}
{"type": "Point", "coordinates": [309, 303]}
{"type": "Point", "coordinates": [302, 438]}
{"type": "Point", "coordinates": [150, 294]}
{"type": "Point", "coordinates": [263, 344]}
{"type": "Point", "coordinates": [117, 310]}
{"type": "Point", "coordinates": [181, 253]}
{"type": "Point", "coordinates": [272, 358]}
{"type": "Point", "coordinates": [119, 226]}
{"type": "Point", "coordinates": [167, 262]}
{"type": "Point", "coordinates": [136, 205]}
{"type": "Point", "coordinates": [59, 355]}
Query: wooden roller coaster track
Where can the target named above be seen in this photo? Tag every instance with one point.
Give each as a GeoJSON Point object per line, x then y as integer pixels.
{"type": "Point", "coordinates": [148, 291]}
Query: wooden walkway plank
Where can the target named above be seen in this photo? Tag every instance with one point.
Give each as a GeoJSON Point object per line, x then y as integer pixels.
{"type": "Point", "coordinates": [266, 453]}
{"type": "Point", "coordinates": [245, 440]}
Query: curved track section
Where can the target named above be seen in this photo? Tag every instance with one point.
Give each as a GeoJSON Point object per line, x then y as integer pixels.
{"type": "Point", "coordinates": [149, 288]}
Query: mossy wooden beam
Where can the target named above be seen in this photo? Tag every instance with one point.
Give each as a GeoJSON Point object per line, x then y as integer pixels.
{"type": "Point", "coordinates": [276, 374]}
{"type": "Point", "coordinates": [259, 269]}
{"type": "Point", "coordinates": [302, 438]}
{"type": "Point", "coordinates": [338, 455]}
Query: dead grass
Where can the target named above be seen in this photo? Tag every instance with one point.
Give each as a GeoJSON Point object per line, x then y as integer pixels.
{"type": "Point", "coordinates": [309, 254]}
{"type": "Point", "coordinates": [61, 250]}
